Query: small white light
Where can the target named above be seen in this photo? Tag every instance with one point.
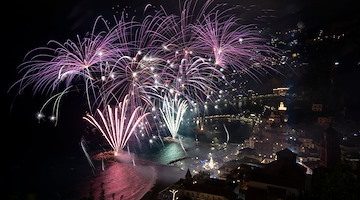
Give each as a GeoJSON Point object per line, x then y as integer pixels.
{"type": "Point", "coordinates": [40, 116]}
{"type": "Point", "coordinates": [52, 118]}
{"type": "Point", "coordinates": [112, 75]}
{"type": "Point", "coordinates": [241, 40]}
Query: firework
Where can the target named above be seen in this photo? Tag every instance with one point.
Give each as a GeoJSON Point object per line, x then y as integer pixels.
{"type": "Point", "coordinates": [172, 113]}
{"type": "Point", "coordinates": [63, 64]}
{"type": "Point", "coordinates": [117, 124]}
{"type": "Point", "coordinates": [189, 55]}
{"type": "Point", "coordinates": [56, 106]}
{"type": "Point", "coordinates": [83, 147]}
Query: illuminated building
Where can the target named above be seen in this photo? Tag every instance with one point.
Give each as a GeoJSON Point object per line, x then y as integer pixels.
{"type": "Point", "coordinates": [280, 91]}
{"type": "Point", "coordinates": [280, 179]}
{"type": "Point", "coordinates": [200, 187]}
{"type": "Point", "coordinates": [317, 107]}
{"type": "Point", "coordinates": [324, 121]}
{"type": "Point", "coordinates": [282, 107]}
{"type": "Point", "coordinates": [350, 150]}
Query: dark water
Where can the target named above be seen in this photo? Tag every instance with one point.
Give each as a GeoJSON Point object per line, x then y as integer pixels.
{"type": "Point", "coordinates": [49, 174]}
{"type": "Point", "coordinates": [168, 151]}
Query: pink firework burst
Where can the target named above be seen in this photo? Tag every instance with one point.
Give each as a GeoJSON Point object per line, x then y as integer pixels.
{"type": "Point", "coordinates": [190, 54]}
{"type": "Point", "coordinates": [64, 64]}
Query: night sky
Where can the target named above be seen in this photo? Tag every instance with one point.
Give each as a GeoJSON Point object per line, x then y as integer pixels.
{"type": "Point", "coordinates": [30, 24]}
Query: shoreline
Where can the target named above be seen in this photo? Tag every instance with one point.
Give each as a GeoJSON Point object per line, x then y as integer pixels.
{"type": "Point", "coordinates": [154, 177]}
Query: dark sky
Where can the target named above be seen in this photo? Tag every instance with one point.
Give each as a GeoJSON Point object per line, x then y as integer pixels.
{"type": "Point", "coordinates": [30, 24]}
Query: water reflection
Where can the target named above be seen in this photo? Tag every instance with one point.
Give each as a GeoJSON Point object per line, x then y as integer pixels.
{"type": "Point", "coordinates": [170, 152]}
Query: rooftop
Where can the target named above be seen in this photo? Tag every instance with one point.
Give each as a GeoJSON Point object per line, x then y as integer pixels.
{"type": "Point", "coordinates": [210, 186]}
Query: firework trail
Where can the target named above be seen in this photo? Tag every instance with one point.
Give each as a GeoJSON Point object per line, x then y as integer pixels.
{"type": "Point", "coordinates": [172, 113]}
{"type": "Point", "coordinates": [83, 147]}
{"type": "Point", "coordinates": [189, 55]}
{"type": "Point", "coordinates": [56, 106]}
{"type": "Point", "coordinates": [117, 124]}
{"type": "Point", "coordinates": [227, 134]}
{"type": "Point", "coordinates": [51, 67]}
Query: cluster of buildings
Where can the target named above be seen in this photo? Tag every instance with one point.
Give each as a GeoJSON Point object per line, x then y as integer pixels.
{"type": "Point", "coordinates": [324, 148]}
{"type": "Point", "coordinates": [280, 179]}
{"type": "Point", "coordinates": [284, 177]}
{"type": "Point", "coordinates": [283, 155]}
{"type": "Point", "coordinates": [277, 160]}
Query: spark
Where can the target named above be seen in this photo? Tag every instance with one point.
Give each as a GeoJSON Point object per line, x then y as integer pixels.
{"type": "Point", "coordinates": [145, 62]}
{"type": "Point", "coordinates": [172, 113]}
{"type": "Point", "coordinates": [83, 147]}
{"type": "Point", "coordinates": [117, 124]}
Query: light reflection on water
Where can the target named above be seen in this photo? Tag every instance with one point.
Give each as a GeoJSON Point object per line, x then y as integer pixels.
{"type": "Point", "coordinates": [116, 178]}
{"type": "Point", "coordinates": [166, 153]}
{"type": "Point", "coordinates": [171, 151]}
{"type": "Point", "coordinates": [123, 181]}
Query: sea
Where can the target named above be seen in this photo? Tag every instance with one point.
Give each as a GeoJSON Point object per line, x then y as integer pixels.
{"type": "Point", "coordinates": [48, 174]}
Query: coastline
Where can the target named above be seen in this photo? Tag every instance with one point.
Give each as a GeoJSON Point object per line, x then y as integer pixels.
{"type": "Point", "coordinates": [121, 179]}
